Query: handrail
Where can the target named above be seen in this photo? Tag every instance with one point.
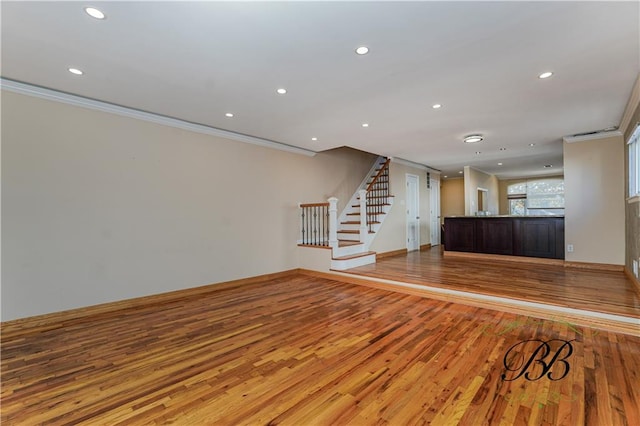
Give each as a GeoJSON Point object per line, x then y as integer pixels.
{"type": "Point", "coordinates": [377, 196]}
{"type": "Point", "coordinates": [314, 205]}
{"type": "Point", "coordinates": [380, 173]}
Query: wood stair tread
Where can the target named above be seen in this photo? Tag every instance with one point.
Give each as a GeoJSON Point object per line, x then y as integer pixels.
{"type": "Point", "coordinates": [347, 243]}
{"type": "Point", "coordinates": [354, 256]}
{"type": "Point", "coordinates": [377, 196]}
{"type": "Point", "coordinates": [350, 231]}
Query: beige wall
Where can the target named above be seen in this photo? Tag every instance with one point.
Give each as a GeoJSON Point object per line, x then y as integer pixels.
{"type": "Point", "coordinates": [474, 179]}
{"type": "Point", "coordinates": [595, 200]}
{"type": "Point", "coordinates": [452, 197]}
{"type": "Point", "coordinates": [504, 184]}
{"type": "Point", "coordinates": [97, 207]}
{"type": "Point", "coordinates": [393, 234]}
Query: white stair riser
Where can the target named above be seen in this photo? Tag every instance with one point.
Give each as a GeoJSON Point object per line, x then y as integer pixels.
{"type": "Point", "coordinates": [349, 237]}
{"type": "Point", "coordinates": [348, 250]}
{"type": "Point", "coordinates": [349, 227]}
{"type": "Point", "coordinates": [341, 265]}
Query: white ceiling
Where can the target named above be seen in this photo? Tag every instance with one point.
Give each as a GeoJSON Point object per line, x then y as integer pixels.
{"type": "Point", "coordinates": [198, 60]}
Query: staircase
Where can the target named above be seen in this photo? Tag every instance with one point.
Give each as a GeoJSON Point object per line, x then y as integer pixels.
{"type": "Point", "coordinates": [357, 225]}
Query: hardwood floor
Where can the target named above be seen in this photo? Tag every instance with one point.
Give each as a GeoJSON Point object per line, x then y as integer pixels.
{"type": "Point", "coordinates": [309, 351]}
{"type": "Point", "coordinates": [597, 291]}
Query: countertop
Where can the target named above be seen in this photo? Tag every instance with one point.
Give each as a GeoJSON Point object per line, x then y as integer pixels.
{"type": "Point", "coordinates": [502, 216]}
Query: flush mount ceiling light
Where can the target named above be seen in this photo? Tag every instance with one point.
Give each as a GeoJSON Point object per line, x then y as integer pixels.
{"type": "Point", "coordinates": [499, 164]}
{"type": "Point", "coordinates": [362, 50]}
{"type": "Point", "coordinates": [446, 177]}
{"type": "Point", "coordinates": [473, 138]}
{"type": "Point", "coordinates": [460, 172]}
{"type": "Point", "coordinates": [365, 124]}
{"type": "Point", "coordinates": [436, 106]}
{"type": "Point", "coordinates": [281, 91]}
{"type": "Point", "coordinates": [314, 139]}
{"type": "Point", "coordinates": [228, 115]}
{"type": "Point", "coordinates": [545, 75]}
{"type": "Point", "coordinates": [94, 13]}
{"type": "Point", "coordinates": [76, 71]}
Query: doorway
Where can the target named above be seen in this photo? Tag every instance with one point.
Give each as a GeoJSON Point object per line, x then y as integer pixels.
{"type": "Point", "coordinates": [413, 212]}
{"type": "Point", "coordinates": [483, 202]}
{"type": "Point", "coordinates": [435, 210]}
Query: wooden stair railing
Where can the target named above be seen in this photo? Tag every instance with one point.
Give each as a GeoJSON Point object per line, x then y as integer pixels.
{"type": "Point", "coordinates": [319, 223]}
{"type": "Point", "coordinates": [314, 218]}
{"type": "Point", "coordinates": [378, 195]}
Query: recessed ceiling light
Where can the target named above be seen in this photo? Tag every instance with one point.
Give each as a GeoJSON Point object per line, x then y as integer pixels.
{"type": "Point", "coordinates": [362, 50]}
{"type": "Point", "coordinates": [473, 138]}
{"type": "Point", "coordinates": [478, 152]}
{"type": "Point", "coordinates": [545, 75]}
{"type": "Point", "coordinates": [281, 91]}
{"type": "Point", "coordinates": [436, 106]}
{"type": "Point", "coordinates": [499, 164]}
{"type": "Point", "coordinates": [460, 172]}
{"type": "Point", "coordinates": [94, 13]}
{"type": "Point", "coordinates": [76, 71]}
{"type": "Point", "coordinates": [446, 176]}
{"type": "Point", "coordinates": [365, 124]}
{"type": "Point", "coordinates": [548, 166]}
{"type": "Point", "coordinates": [532, 144]}
{"type": "Point", "coordinates": [314, 139]}
{"type": "Point", "coordinates": [228, 115]}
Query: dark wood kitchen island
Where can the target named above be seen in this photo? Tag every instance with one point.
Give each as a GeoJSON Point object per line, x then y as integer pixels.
{"type": "Point", "coordinates": [528, 236]}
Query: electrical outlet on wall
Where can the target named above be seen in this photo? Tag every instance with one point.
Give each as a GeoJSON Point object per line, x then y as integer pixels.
{"type": "Point", "coordinates": [569, 248]}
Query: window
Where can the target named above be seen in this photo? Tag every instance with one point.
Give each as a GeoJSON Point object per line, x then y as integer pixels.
{"type": "Point", "coordinates": [634, 163]}
{"type": "Point", "coordinates": [537, 197]}
{"type": "Point", "coordinates": [517, 195]}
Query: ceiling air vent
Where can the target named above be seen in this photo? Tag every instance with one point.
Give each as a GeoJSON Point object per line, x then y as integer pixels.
{"type": "Point", "coordinates": [596, 134]}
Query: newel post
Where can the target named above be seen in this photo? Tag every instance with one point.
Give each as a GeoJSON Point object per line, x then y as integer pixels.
{"type": "Point", "coordinates": [333, 222]}
{"type": "Point", "coordinates": [363, 214]}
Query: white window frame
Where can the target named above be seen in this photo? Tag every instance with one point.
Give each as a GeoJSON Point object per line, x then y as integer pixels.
{"type": "Point", "coordinates": [634, 163]}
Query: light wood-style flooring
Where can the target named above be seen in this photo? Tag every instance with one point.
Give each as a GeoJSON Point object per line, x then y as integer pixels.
{"type": "Point", "coordinates": [301, 350]}
{"type": "Point", "coordinates": [593, 290]}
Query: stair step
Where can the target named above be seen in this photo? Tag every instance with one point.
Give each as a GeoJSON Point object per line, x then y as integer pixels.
{"type": "Point", "coordinates": [358, 214]}
{"type": "Point", "coordinates": [377, 196]}
{"type": "Point", "coordinates": [347, 243]}
{"type": "Point", "coordinates": [349, 231]}
{"type": "Point", "coordinates": [354, 256]}
{"type": "Point", "coordinates": [372, 205]}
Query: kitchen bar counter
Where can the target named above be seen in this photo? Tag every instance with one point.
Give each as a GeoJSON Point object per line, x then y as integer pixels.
{"type": "Point", "coordinates": [531, 236]}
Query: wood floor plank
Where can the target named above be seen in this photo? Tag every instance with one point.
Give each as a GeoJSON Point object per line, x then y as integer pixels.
{"type": "Point", "coordinates": [308, 350]}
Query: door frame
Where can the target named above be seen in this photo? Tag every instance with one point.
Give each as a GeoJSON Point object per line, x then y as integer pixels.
{"type": "Point", "coordinates": [435, 212]}
{"type": "Point", "coordinates": [416, 221]}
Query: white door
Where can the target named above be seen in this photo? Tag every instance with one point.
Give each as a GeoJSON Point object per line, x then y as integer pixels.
{"type": "Point", "coordinates": [435, 211]}
{"type": "Point", "coordinates": [413, 213]}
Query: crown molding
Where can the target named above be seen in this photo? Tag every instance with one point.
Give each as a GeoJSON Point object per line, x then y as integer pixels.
{"type": "Point", "coordinates": [595, 136]}
{"type": "Point", "coordinates": [632, 105]}
{"type": "Point", "coordinates": [413, 164]}
{"type": "Point", "coordinates": [79, 101]}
